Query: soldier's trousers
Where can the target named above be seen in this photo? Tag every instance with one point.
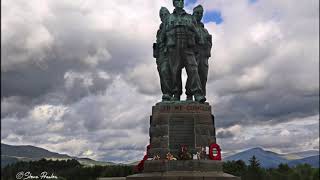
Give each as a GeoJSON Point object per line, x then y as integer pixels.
{"type": "Point", "coordinates": [203, 68]}
{"type": "Point", "coordinates": [165, 75]}
{"type": "Point", "coordinates": [179, 58]}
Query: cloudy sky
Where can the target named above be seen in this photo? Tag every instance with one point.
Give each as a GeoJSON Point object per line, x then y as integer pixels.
{"type": "Point", "coordinates": [78, 76]}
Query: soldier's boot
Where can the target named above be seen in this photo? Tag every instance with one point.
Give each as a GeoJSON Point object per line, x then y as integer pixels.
{"type": "Point", "coordinates": [176, 97]}
{"type": "Point", "coordinates": [189, 98]}
{"type": "Point", "coordinates": [166, 97]}
{"type": "Point", "coordinates": [200, 98]}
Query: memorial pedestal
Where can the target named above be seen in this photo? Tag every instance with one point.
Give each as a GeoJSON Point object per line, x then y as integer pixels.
{"type": "Point", "coordinates": [183, 175]}
{"type": "Point", "coordinates": [176, 124]}
{"type": "Point", "coordinates": [180, 123]}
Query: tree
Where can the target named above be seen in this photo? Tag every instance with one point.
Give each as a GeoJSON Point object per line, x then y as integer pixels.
{"type": "Point", "coordinates": [254, 171]}
{"type": "Point", "coordinates": [70, 169]}
{"type": "Point", "coordinates": [304, 171]}
{"type": "Point", "coordinates": [282, 172]}
{"type": "Point", "coordinates": [283, 168]}
{"type": "Point", "coordinates": [236, 168]}
{"type": "Point", "coordinates": [254, 163]}
{"type": "Point", "coordinates": [316, 175]}
{"type": "Point", "coordinates": [294, 176]}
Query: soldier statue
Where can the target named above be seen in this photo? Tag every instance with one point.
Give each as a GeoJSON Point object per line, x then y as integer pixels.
{"type": "Point", "coordinates": [203, 51]}
{"type": "Point", "coordinates": [160, 53]}
{"type": "Point", "coordinates": [180, 37]}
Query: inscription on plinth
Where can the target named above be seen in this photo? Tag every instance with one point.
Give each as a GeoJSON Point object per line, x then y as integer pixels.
{"type": "Point", "coordinates": [181, 108]}
{"type": "Point", "coordinates": [181, 132]}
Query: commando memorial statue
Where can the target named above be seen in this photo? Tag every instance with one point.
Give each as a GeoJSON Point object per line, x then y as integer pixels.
{"type": "Point", "coordinates": [182, 134]}
{"type": "Point", "coordinates": [160, 53]}
{"type": "Point", "coordinates": [203, 51]}
{"type": "Point", "coordinates": [178, 39]}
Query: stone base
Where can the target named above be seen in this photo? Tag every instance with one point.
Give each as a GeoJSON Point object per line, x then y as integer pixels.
{"type": "Point", "coordinates": [175, 124]}
{"type": "Point", "coordinates": [181, 175]}
{"type": "Point", "coordinates": [187, 165]}
{"type": "Point", "coordinates": [182, 170]}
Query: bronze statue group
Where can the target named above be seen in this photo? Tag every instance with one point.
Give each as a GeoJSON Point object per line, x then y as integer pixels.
{"type": "Point", "coordinates": [182, 42]}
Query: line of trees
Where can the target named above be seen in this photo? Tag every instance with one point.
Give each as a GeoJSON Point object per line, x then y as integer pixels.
{"type": "Point", "coordinates": [64, 170]}
{"type": "Point", "coordinates": [255, 172]}
{"type": "Point", "coordinates": [73, 170]}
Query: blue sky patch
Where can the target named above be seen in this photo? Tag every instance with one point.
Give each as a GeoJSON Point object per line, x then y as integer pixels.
{"type": "Point", "coordinates": [188, 2]}
{"type": "Point", "coordinates": [212, 16]}
{"type": "Point", "coordinates": [252, 1]}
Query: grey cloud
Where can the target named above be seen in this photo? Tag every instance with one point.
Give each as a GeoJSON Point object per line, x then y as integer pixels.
{"type": "Point", "coordinates": [269, 73]}
{"type": "Point", "coordinates": [225, 134]}
{"type": "Point", "coordinates": [281, 137]}
{"type": "Point", "coordinates": [264, 106]}
{"type": "Point", "coordinates": [73, 46]}
{"type": "Point", "coordinates": [146, 79]}
{"type": "Point", "coordinates": [14, 106]}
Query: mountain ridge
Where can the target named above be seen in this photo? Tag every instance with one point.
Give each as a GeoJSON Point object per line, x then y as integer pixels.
{"type": "Point", "coordinates": [269, 159]}
{"type": "Point", "coordinates": [14, 153]}
{"type": "Point", "coordinates": [312, 161]}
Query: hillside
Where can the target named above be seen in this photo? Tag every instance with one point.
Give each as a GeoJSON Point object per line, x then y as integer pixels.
{"type": "Point", "coordinates": [270, 159]}
{"type": "Point", "coordinates": [300, 155]}
{"type": "Point", "coordinates": [267, 159]}
{"type": "Point", "coordinates": [11, 154]}
{"type": "Point", "coordinates": [313, 161]}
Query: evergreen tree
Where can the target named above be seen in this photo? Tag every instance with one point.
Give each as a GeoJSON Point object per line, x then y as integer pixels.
{"type": "Point", "coordinates": [254, 171]}
{"type": "Point", "coordinates": [283, 168]}
{"type": "Point", "coordinates": [294, 176]}
{"type": "Point", "coordinates": [254, 163]}
{"type": "Point", "coordinates": [283, 172]}
{"type": "Point", "coordinates": [304, 171]}
{"type": "Point", "coordinates": [316, 175]}
{"type": "Point", "coordinates": [236, 168]}
{"type": "Point", "coordinates": [64, 170]}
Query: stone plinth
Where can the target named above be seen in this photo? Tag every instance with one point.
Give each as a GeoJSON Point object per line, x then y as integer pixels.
{"type": "Point", "coordinates": [187, 165]}
{"type": "Point", "coordinates": [180, 123]}
{"type": "Point", "coordinates": [183, 175]}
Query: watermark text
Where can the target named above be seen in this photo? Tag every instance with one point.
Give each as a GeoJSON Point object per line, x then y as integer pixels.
{"type": "Point", "coordinates": [28, 175]}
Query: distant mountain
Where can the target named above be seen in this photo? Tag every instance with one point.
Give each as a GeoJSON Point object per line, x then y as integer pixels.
{"type": "Point", "coordinates": [313, 161]}
{"type": "Point", "coordinates": [270, 159]}
{"type": "Point", "coordinates": [134, 163]}
{"type": "Point", "coordinates": [11, 154]}
{"type": "Point", "coordinates": [29, 152]}
{"type": "Point", "coordinates": [300, 155]}
{"type": "Point", "coordinates": [267, 159]}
